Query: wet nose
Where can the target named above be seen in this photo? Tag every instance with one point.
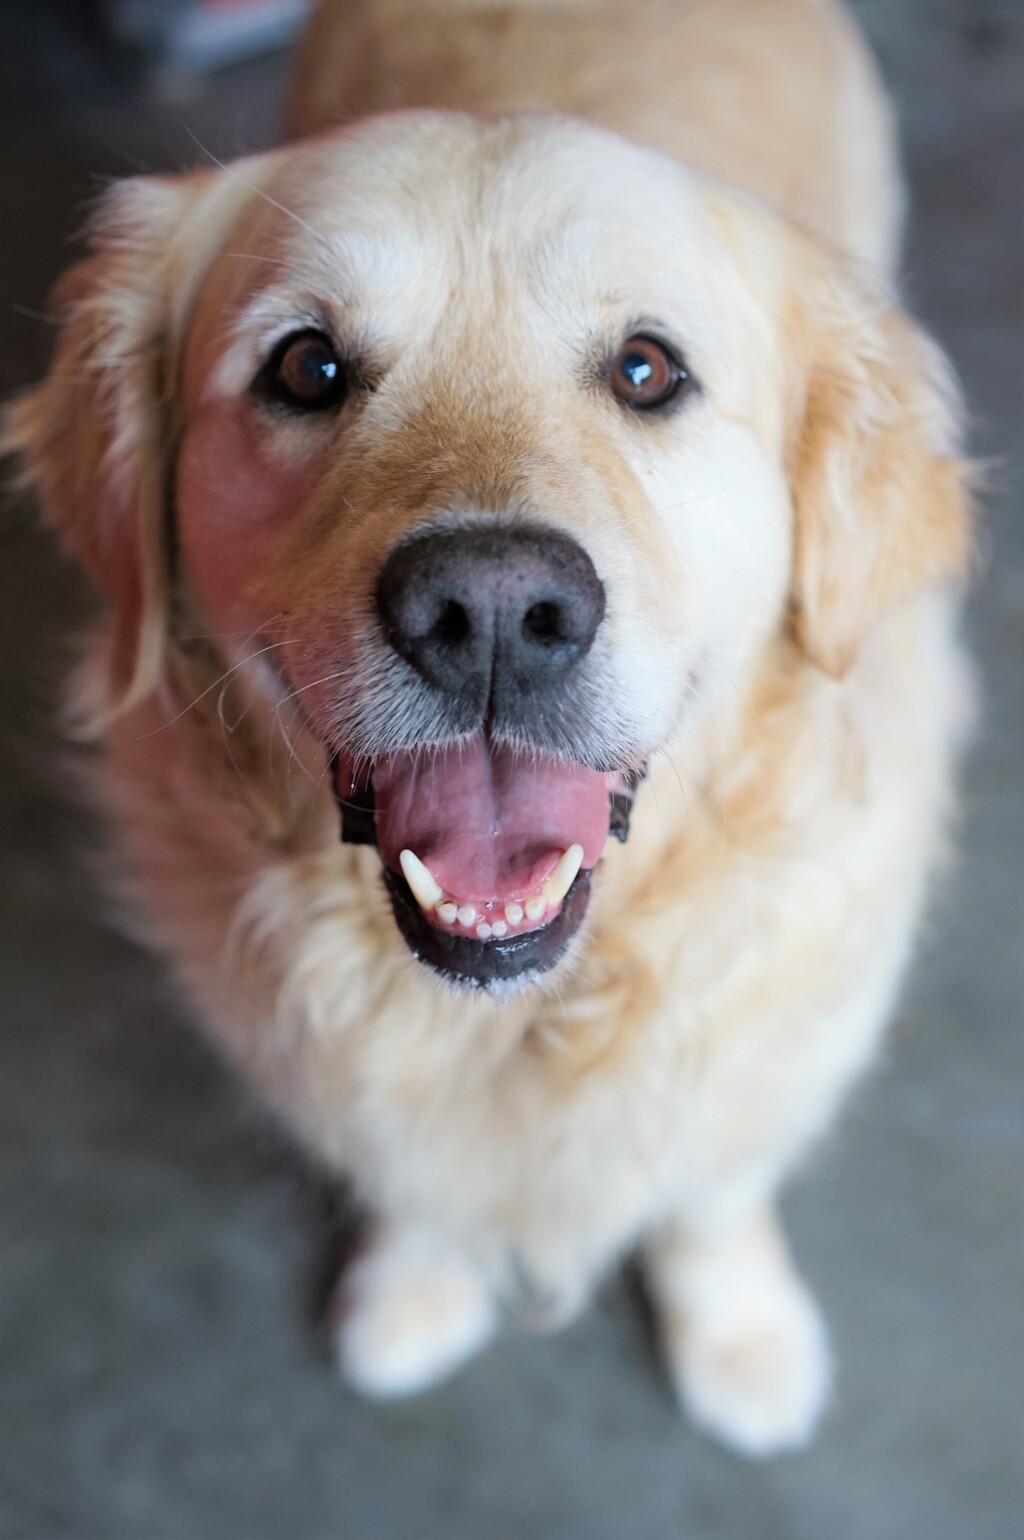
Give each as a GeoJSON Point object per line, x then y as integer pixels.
{"type": "Point", "coordinates": [491, 613]}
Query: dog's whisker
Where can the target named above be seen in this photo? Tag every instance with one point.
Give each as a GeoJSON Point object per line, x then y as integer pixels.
{"type": "Point", "coordinates": [716, 775]}
{"type": "Point", "coordinates": [235, 175]}
{"type": "Point", "coordinates": [226, 732]}
{"type": "Point", "coordinates": [301, 689]}
{"type": "Point", "coordinates": [729, 680]}
{"type": "Point", "coordinates": [210, 689]}
{"type": "Point", "coordinates": [294, 757]}
{"type": "Point", "coordinates": [670, 761]}
{"type": "Point", "coordinates": [46, 318]}
{"type": "Point", "coordinates": [225, 636]}
{"type": "Point", "coordinates": [701, 497]}
{"type": "Point", "coordinates": [264, 260]}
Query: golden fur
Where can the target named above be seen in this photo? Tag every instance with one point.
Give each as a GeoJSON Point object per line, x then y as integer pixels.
{"type": "Point", "coordinates": [799, 534]}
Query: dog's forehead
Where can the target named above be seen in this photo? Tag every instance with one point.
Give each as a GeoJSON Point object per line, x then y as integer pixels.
{"type": "Point", "coordinates": [411, 234]}
{"type": "Point", "coordinates": [412, 200]}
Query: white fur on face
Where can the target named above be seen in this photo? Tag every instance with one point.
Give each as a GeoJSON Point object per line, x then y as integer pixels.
{"type": "Point", "coordinates": [733, 532]}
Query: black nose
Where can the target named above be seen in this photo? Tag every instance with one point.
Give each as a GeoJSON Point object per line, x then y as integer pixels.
{"type": "Point", "coordinates": [491, 613]}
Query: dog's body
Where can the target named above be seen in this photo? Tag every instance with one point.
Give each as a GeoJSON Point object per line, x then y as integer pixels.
{"type": "Point", "coordinates": [743, 948]}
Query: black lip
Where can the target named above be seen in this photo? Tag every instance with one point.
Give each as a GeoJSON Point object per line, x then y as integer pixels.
{"type": "Point", "coordinates": [478, 964]}
{"type": "Point", "coordinates": [358, 811]}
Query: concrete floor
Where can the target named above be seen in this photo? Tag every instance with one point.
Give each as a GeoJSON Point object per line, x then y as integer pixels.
{"type": "Point", "coordinates": [160, 1378]}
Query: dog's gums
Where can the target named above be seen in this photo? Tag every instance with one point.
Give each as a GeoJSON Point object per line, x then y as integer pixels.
{"type": "Point", "coordinates": [497, 894]}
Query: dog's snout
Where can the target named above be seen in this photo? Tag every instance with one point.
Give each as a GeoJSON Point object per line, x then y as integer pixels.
{"type": "Point", "coordinates": [491, 612]}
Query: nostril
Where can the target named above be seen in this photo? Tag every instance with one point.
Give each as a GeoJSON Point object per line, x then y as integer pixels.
{"type": "Point", "coordinates": [544, 623]}
{"type": "Point", "coordinates": [452, 625]}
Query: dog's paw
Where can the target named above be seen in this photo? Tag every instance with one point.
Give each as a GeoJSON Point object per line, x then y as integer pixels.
{"type": "Point", "coordinates": [406, 1314]}
{"type": "Point", "coordinates": [744, 1341]}
{"type": "Point", "coordinates": [761, 1387]}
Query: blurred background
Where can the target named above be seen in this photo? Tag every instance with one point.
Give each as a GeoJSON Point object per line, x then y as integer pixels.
{"type": "Point", "coordinates": [161, 1377]}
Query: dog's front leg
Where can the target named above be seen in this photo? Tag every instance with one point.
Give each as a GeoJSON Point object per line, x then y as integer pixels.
{"type": "Point", "coordinates": [407, 1312]}
{"type": "Point", "coordinates": [742, 1337]}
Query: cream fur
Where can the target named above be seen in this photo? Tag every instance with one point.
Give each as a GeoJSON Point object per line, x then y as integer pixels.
{"type": "Point", "coordinates": [781, 640]}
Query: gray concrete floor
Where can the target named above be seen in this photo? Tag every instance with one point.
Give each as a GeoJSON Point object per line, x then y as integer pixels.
{"type": "Point", "coordinates": [160, 1377]}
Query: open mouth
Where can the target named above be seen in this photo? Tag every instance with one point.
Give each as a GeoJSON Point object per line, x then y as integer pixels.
{"type": "Point", "coordinates": [487, 851]}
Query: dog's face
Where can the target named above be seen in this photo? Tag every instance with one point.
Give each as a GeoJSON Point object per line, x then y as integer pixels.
{"type": "Point", "coordinates": [476, 449]}
{"type": "Point", "coordinates": [490, 443]}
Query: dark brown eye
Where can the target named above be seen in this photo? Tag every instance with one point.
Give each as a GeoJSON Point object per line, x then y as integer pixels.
{"type": "Point", "coordinates": [305, 372]}
{"type": "Point", "coordinates": [645, 373]}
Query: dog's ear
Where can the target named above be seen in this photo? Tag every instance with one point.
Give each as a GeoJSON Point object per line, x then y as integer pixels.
{"type": "Point", "coordinates": [96, 439]}
{"type": "Point", "coordinates": [880, 490]}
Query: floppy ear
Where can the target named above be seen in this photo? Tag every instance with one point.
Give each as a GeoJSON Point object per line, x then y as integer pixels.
{"type": "Point", "coordinates": [96, 439]}
{"type": "Point", "coordinates": [880, 491]}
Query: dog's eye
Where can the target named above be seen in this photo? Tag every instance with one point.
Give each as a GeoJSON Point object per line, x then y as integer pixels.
{"type": "Point", "coordinates": [305, 372]}
{"type": "Point", "coordinates": [646, 373]}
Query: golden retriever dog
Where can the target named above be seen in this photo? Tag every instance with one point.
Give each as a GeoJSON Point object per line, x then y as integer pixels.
{"type": "Point", "coordinates": [528, 455]}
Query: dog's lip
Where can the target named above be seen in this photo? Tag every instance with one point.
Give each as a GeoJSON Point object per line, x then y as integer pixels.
{"type": "Point", "coordinates": [461, 960]}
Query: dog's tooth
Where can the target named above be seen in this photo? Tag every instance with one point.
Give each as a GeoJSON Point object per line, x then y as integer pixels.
{"type": "Point", "coordinates": [564, 875]}
{"type": "Point", "coordinates": [499, 929]}
{"type": "Point", "coordinates": [483, 930]}
{"type": "Point", "coordinates": [535, 907]}
{"type": "Point", "coordinates": [448, 912]}
{"type": "Point", "coordinates": [424, 889]}
{"type": "Point", "coordinates": [466, 914]}
{"type": "Point", "coordinates": [514, 914]}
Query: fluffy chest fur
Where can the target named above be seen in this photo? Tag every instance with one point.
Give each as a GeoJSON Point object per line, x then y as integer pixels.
{"type": "Point", "coordinates": [740, 962]}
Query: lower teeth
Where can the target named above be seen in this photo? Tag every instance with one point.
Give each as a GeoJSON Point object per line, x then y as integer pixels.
{"type": "Point", "coordinates": [429, 895]}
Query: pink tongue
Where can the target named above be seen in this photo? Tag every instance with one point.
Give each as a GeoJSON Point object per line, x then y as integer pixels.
{"type": "Point", "coordinates": [490, 824]}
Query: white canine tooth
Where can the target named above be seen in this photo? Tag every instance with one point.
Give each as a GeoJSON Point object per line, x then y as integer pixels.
{"type": "Point", "coordinates": [466, 915]}
{"type": "Point", "coordinates": [483, 931]}
{"type": "Point", "coordinates": [448, 912]}
{"type": "Point", "coordinates": [564, 875]}
{"type": "Point", "coordinates": [535, 907]}
{"type": "Point", "coordinates": [499, 928]}
{"type": "Point", "coordinates": [514, 914]}
{"type": "Point", "coordinates": [424, 889]}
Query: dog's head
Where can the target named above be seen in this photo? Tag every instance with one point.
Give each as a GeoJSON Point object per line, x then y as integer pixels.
{"type": "Point", "coordinates": [496, 448]}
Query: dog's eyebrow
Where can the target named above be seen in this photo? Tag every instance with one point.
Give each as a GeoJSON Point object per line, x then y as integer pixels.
{"type": "Point", "coordinates": [258, 256]}
{"type": "Point", "coordinates": [269, 316]}
{"type": "Point", "coordinates": [274, 301]}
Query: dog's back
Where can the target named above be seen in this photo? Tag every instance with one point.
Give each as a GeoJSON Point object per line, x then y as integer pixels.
{"type": "Point", "coordinates": [779, 97]}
